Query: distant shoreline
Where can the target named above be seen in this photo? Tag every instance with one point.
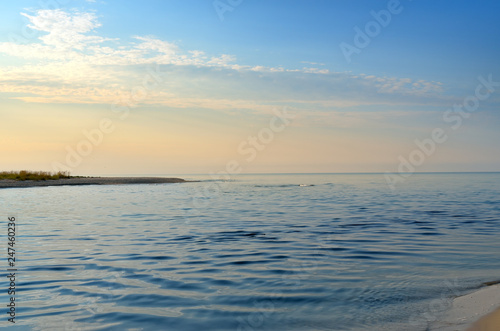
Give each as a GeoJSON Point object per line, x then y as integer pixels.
{"type": "Point", "coordinates": [8, 183]}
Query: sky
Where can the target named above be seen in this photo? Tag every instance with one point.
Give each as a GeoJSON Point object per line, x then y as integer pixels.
{"type": "Point", "coordinates": [240, 86]}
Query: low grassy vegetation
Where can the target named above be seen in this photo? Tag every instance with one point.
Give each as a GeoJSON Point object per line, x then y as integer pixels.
{"type": "Point", "coordinates": [34, 175]}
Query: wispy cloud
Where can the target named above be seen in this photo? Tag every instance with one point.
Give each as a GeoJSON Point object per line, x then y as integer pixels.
{"type": "Point", "coordinates": [313, 63]}
{"type": "Point", "coordinates": [71, 63]}
{"type": "Point", "coordinates": [65, 31]}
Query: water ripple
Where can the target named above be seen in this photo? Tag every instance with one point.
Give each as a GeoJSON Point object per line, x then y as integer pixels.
{"type": "Point", "coordinates": [339, 251]}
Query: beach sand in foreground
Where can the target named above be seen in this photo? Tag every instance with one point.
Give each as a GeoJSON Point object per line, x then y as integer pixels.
{"type": "Point", "coordinates": [7, 183]}
{"type": "Point", "coordinates": [476, 311]}
{"type": "Point", "coordinates": [490, 322]}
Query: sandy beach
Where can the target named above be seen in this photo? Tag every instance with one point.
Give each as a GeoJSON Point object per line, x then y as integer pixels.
{"type": "Point", "coordinates": [476, 311]}
{"type": "Point", "coordinates": [490, 322]}
{"type": "Point", "coordinates": [7, 183]}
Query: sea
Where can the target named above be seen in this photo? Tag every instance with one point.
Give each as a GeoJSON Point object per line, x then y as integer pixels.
{"type": "Point", "coordinates": [249, 252]}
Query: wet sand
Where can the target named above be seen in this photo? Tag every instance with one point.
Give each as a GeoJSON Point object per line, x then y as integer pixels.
{"type": "Point", "coordinates": [476, 311]}
{"type": "Point", "coordinates": [7, 183]}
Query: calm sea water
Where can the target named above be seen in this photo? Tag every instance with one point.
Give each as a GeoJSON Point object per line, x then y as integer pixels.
{"type": "Point", "coordinates": [258, 252]}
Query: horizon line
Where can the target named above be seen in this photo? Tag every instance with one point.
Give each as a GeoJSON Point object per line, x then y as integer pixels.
{"type": "Point", "coordinates": [301, 173]}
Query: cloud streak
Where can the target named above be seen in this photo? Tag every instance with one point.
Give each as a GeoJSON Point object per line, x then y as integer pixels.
{"type": "Point", "coordinates": [71, 63]}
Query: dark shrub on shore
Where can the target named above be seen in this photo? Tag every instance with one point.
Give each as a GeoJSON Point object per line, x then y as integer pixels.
{"type": "Point", "coordinates": [34, 175]}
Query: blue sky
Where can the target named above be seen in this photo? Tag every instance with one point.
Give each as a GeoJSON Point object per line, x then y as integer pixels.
{"type": "Point", "coordinates": [223, 77]}
{"type": "Point", "coordinates": [429, 39]}
{"type": "Point", "coordinates": [417, 43]}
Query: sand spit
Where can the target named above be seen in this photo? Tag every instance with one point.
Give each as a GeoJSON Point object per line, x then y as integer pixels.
{"type": "Point", "coordinates": [7, 183]}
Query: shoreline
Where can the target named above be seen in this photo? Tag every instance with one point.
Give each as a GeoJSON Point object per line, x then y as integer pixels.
{"type": "Point", "coordinates": [476, 311]}
{"type": "Point", "coordinates": [9, 183]}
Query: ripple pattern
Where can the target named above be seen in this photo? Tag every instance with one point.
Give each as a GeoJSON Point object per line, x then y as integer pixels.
{"type": "Point", "coordinates": [289, 252]}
